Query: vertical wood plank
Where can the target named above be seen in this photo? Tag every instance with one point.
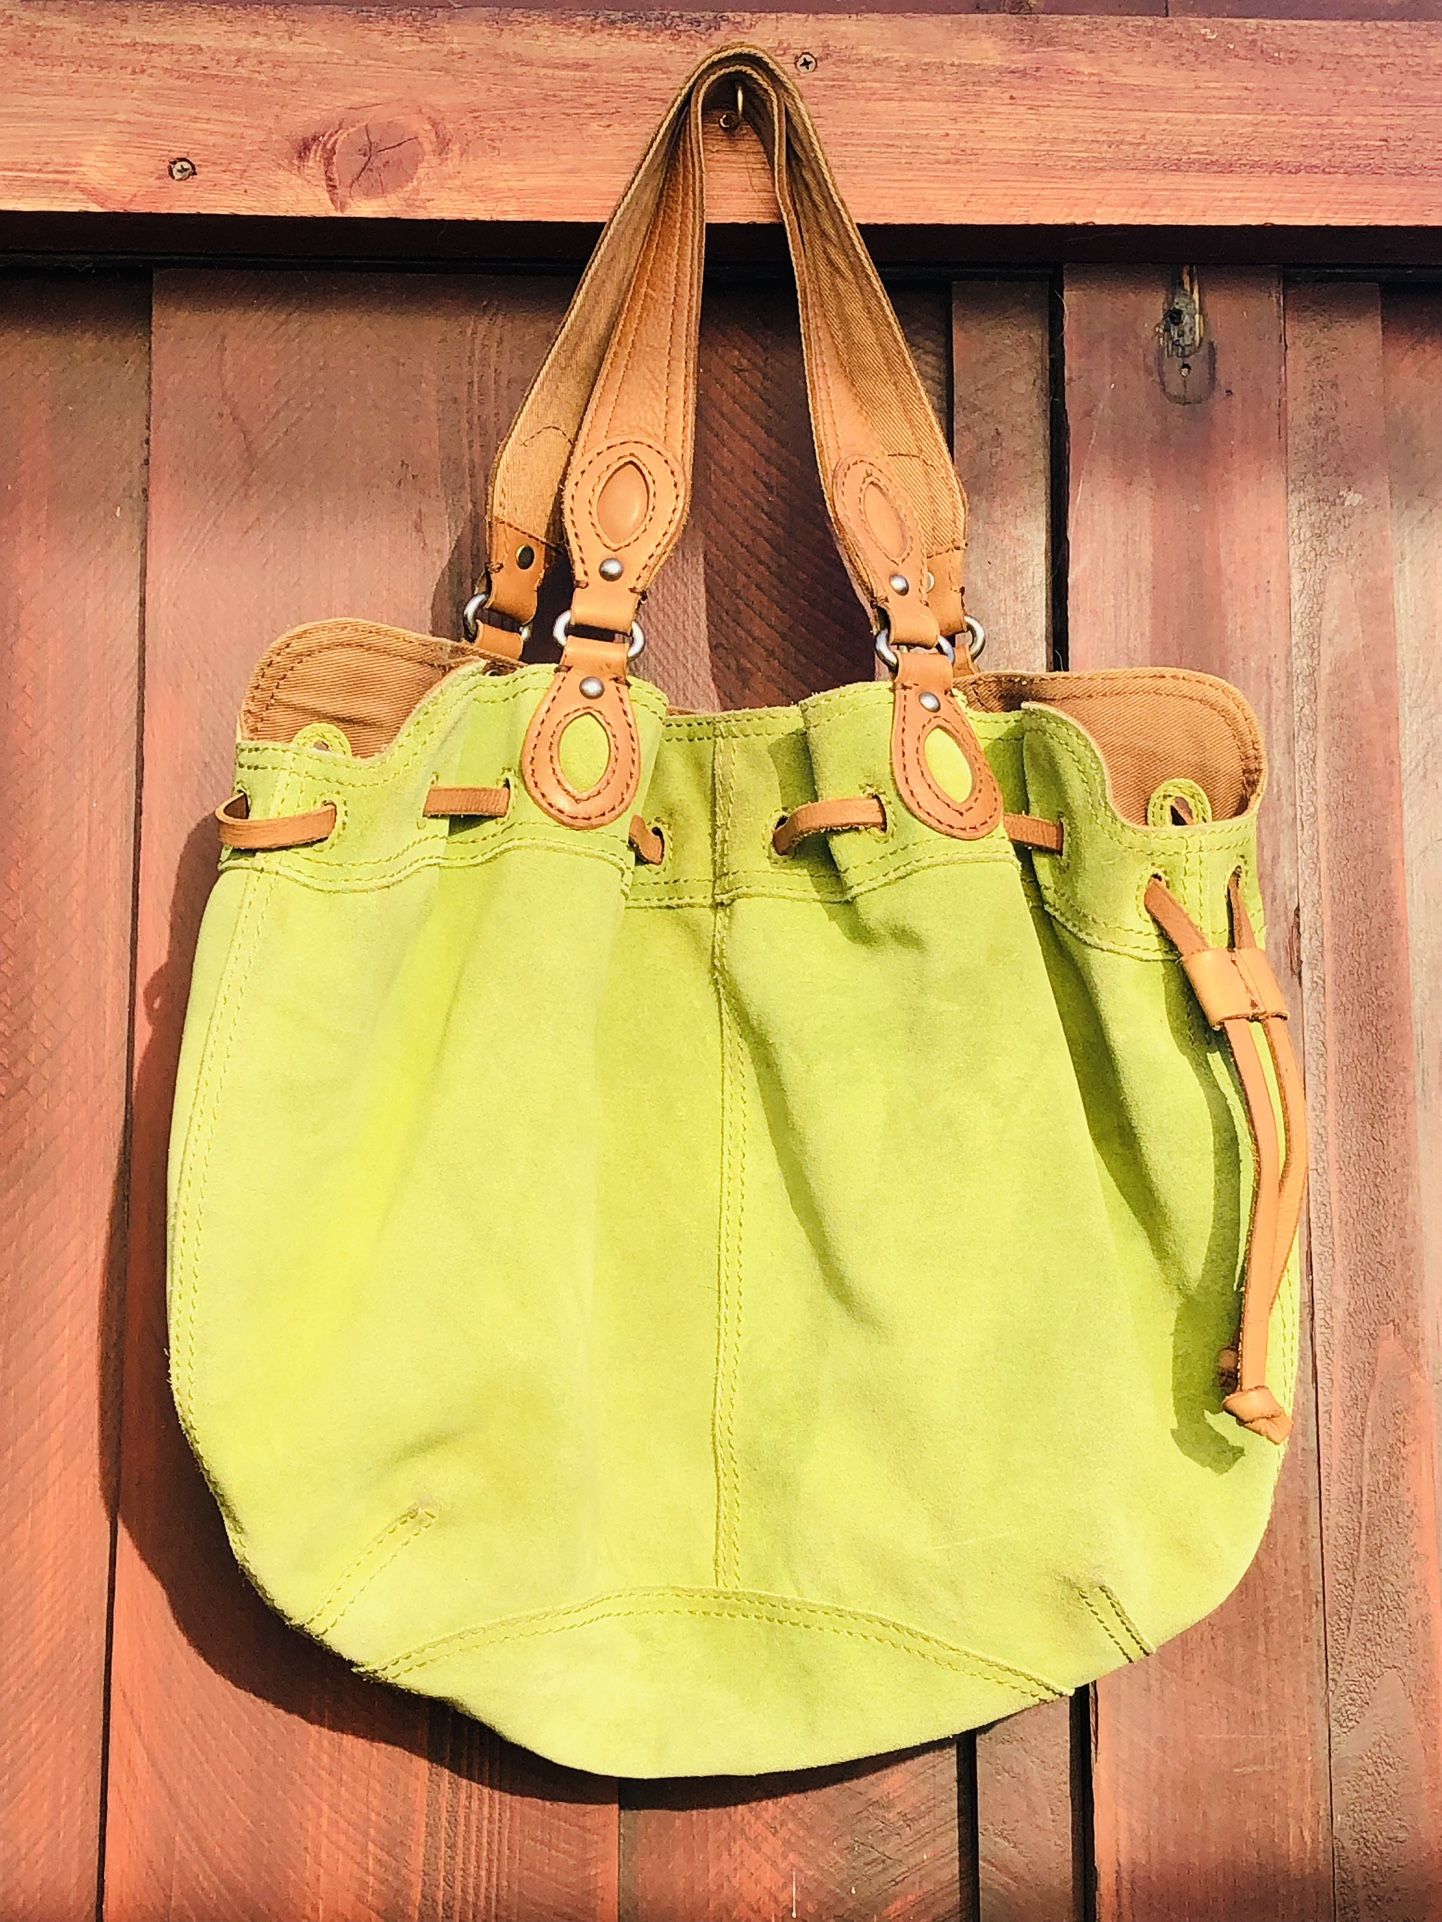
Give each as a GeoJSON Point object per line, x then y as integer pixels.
{"type": "Point", "coordinates": [73, 380]}
{"type": "Point", "coordinates": [318, 446]}
{"type": "Point", "coordinates": [765, 613]}
{"type": "Point", "coordinates": [1210, 1769]}
{"type": "Point", "coordinates": [1029, 1865]}
{"type": "Point", "coordinates": [874, 1842]}
{"type": "Point", "coordinates": [1001, 437]}
{"type": "Point", "coordinates": [1375, 1323]}
{"type": "Point", "coordinates": [1412, 355]}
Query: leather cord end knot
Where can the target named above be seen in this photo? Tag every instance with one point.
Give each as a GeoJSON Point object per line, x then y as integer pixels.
{"type": "Point", "coordinates": [1259, 1410]}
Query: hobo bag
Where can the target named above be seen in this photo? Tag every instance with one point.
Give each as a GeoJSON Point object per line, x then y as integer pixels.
{"type": "Point", "coordinates": [723, 1242]}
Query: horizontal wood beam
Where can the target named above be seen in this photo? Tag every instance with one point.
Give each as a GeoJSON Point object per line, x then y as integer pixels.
{"type": "Point", "coordinates": [513, 118]}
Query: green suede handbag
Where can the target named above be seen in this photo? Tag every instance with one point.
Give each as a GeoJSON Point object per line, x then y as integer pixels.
{"type": "Point", "coordinates": [729, 1242]}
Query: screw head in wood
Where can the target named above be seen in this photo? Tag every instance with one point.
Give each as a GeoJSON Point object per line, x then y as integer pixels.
{"type": "Point", "coordinates": [806, 63]}
{"type": "Point", "coordinates": [182, 169]}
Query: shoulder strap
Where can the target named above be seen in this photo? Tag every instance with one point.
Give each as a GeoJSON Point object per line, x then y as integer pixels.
{"type": "Point", "coordinates": [612, 408]}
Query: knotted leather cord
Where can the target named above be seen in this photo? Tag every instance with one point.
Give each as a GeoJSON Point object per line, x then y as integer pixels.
{"type": "Point", "coordinates": [1239, 993]}
{"type": "Point", "coordinates": [641, 294]}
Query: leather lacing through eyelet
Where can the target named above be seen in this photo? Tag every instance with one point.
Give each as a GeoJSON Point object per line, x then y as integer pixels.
{"type": "Point", "coordinates": [868, 811]}
{"type": "Point", "coordinates": [270, 834]}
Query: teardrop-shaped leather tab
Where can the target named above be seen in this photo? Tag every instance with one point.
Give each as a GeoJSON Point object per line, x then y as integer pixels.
{"type": "Point", "coordinates": [623, 504]}
{"type": "Point", "coordinates": [590, 682]}
{"type": "Point", "coordinates": [923, 703]}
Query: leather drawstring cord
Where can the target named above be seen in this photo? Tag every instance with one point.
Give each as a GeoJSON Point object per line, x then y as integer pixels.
{"type": "Point", "coordinates": [271, 834]}
{"type": "Point", "coordinates": [867, 811]}
{"type": "Point", "coordinates": [1235, 986]}
{"type": "Point", "coordinates": [1239, 993]}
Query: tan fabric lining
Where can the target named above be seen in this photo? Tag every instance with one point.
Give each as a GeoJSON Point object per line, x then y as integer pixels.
{"type": "Point", "coordinates": [1149, 724]}
{"type": "Point", "coordinates": [363, 679]}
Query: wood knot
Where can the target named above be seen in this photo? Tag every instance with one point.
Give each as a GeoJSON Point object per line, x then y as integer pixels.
{"type": "Point", "coordinates": [372, 157]}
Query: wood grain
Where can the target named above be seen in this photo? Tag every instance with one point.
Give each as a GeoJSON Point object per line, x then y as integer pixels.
{"type": "Point", "coordinates": [876, 1842]}
{"type": "Point", "coordinates": [313, 111]}
{"type": "Point", "coordinates": [1178, 547]}
{"type": "Point", "coordinates": [1376, 1316]}
{"type": "Point", "coordinates": [1412, 367]}
{"type": "Point", "coordinates": [73, 377]}
{"type": "Point", "coordinates": [318, 447]}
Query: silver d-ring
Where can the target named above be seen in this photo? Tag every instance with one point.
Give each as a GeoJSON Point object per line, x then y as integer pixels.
{"type": "Point", "coordinates": [976, 636]}
{"type": "Point", "coordinates": [471, 617]}
{"type": "Point", "coordinates": [634, 647]}
{"type": "Point", "coordinates": [887, 653]}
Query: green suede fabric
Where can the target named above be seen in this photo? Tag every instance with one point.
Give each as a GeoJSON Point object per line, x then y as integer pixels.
{"type": "Point", "coordinates": [734, 1315]}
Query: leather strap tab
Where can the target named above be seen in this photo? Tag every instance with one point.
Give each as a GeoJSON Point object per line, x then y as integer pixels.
{"type": "Point", "coordinates": [269, 833]}
{"type": "Point", "coordinates": [923, 705]}
{"type": "Point", "coordinates": [1235, 984]}
{"type": "Point", "coordinates": [591, 680]}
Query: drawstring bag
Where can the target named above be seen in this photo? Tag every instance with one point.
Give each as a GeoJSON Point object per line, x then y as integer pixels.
{"type": "Point", "coordinates": [729, 1242]}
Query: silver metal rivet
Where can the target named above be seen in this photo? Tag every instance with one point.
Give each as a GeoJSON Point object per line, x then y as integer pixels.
{"type": "Point", "coordinates": [612, 570]}
{"type": "Point", "coordinates": [900, 584]}
{"type": "Point", "coordinates": [593, 688]}
{"type": "Point", "coordinates": [931, 702]}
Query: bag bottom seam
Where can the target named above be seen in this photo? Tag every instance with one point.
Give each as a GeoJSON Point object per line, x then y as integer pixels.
{"type": "Point", "coordinates": [723, 1604]}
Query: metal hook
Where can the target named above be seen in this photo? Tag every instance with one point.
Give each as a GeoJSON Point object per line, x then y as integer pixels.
{"type": "Point", "coordinates": [731, 118]}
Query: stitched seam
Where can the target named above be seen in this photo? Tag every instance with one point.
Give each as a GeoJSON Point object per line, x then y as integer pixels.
{"type": "Point", "coordinates": [385, 871]}
{"type": "Point", "coordinates": [1235, 838]}
{"type": "Point", "coordinates": [735, 1606]}
{"type": "Point", "coordinates": [1114, 1622]}
{"type": "Point", "coordinates": [197, 1149]}
{"type": "Point", "coordinates": [373, 1558]}
{"type": "Point", "coordinates": [732, 1200]}
{"type": "Point", "coordinates": [625, 754]}
{"type": "Point", "coordinates": [697, 894]}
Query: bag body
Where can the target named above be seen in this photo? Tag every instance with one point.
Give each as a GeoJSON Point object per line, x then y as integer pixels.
{"type": "Point", "coordinates": [733, 1280]}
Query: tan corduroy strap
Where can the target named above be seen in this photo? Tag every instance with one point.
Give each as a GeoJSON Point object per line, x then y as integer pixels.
{"type": "Point", "coordinates": [1239, 993]}
{"type": "Point", "coordinates": [618, 389]}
